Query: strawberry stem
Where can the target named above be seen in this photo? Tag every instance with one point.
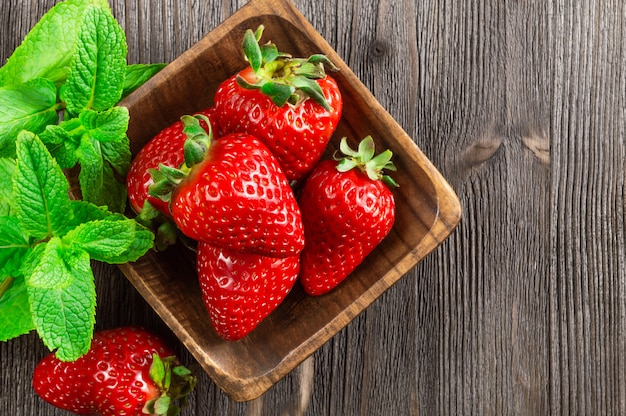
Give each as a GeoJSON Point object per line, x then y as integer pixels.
{"type": "Point", "coordinates": [280, 76]}
{"type": "Point", "coordinates": [198, 142]}
{"type": "Point", "coordinates": [175, 383]}
{"type": "Point", "coordinates": [198, 138]}
{"type": "Point", "coordinates": [366, 161]}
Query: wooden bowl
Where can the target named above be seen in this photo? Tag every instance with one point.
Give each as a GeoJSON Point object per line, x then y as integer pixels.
{"type": "Point", "coordinates": [427, 209]}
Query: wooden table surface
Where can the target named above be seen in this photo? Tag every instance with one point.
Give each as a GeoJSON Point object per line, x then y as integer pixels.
{"type": "Point", "coordinates": [521, 105]}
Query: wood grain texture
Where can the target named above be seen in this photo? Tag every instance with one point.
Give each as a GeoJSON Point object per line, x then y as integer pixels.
{"type": "Point", "coordinates": [521, 105]}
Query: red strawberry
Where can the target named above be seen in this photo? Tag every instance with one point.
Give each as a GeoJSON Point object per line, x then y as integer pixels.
{"type": "Point", "coordinates": [164, 148]}
{"type": "Point", "coordinates": [124, 373]}
{"type": "Point", "coordinates": [347, 211]}
{"type": "Point", "coordinates": [231, 193]}
{"type": "Point", "coordinates": [290, 104]}
{"type": "Point", "coordinates": [240, 290]}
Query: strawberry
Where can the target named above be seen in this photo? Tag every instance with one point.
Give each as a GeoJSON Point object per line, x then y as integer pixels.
{"type": "Point", "coordinates": [347, 210]}
{"type": "Point", "coordinates": [164, 148]}
{"type": "Point", "coordinates": [290, 104]}
{"type": "Point", "coordinates": [240, 289]}
{"type": "Point", "coordinates": [127, 371]}
{"type": "Point", "coordinates": [232, 193]}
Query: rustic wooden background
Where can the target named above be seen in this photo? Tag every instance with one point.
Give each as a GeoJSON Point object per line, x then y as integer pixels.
{"type": "Point", "coordinates": [521, 105]}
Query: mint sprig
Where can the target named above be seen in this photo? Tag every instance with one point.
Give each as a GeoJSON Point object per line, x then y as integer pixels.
{"type": "Point", "coordinates": [59, 95]}
{"type": "Point", "coordinates": [49, 243]}
{"type": "Point", "coordinates": [67, 88]}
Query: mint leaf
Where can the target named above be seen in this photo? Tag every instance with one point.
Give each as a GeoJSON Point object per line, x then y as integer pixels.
{"type": "Point", "coordinates": [40, 189]}
{"type": "Point", "coordinates": [29, 106]}
{"type": "Point", "coordinates": [117, 154]}
{"type": "Point", "coordinates": [98, 176]}
{"type": "Point", "coordinates": [107, 126]}
{"type": "Point", "coordinates": [91, 176]}
{"type": "Point", "coordinates": [63, 140]}
{"type": "Point", "coordinates": [15, 316]}
{"type": "Point", "coordinates": [107, 236]}
{"type": "Point", "coordinates": [47, 49]}
{"type": "Point", "coordinates": [138, 74]}
{"type": "Point", "coordinates": [85, 211]}
{"type": "Point", "coordinates": [143, 241]}
{"type": "Point", "coordinates": [98, 68]}
{"type": "Point", "coordinates": [65, 317]}
{"type": "Point", "coordinates": [61, 144]}
{"type": "Point", "coordinates": [103, 239]}
{"type": "Point", "coordinates": [7, 168]}
{"type": "Point", "coordinates": [14, 246]}
{"type": "Point", "coordinates": [32, 260]}
{"type": "Point", "coordinates": [51, 272]}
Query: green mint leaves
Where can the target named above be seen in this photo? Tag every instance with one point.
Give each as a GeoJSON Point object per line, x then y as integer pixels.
{"type": "Point", "coordinates": [46, 247]}
{"type": "Point", "coordinates": [59, 95]}
{"type": "Point", "coordinates": [28, 106]}
{"type": "Point", "coordinates": [64, 82]}
{"type": "Point", "coordinates": [49, 46]}
{"type": "Point", "coordinates": [98, 68]}
{"type": "Point", "coordinates": [40, 193]}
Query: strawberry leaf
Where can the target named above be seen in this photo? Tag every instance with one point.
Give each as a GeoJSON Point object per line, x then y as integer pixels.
{"type": "Point", "coordinates": [15, 316]}
{"type": "Point", "coordinates": [312, 89]}
{"type": "Point", "coordinates": [162, 405]}
{"type": "Point", "coordinates": [98, 68]}
{"type": "Point", "coordinates": [65, 316]}
{"type": "Point", "coordinates": [47, 49]}
{"type": "Point", "coordinates": [40, 189]}
{"type": "Point", "coordinates": [29, 106]}
{"type": "Point", "coordinates": [252, 50]}
{"type": "Point", "coordinates": [157, 371]}
{"type": "Point", "coordinates": [278, 92]}
{"type": "Point", "coordinates": [365, 160]}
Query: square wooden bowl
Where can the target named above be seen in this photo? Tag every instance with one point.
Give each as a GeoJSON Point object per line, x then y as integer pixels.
{"type": "Point", "coordinates": [427, 209]}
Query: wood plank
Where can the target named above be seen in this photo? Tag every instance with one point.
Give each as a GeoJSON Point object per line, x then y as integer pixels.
{"type": "Point", "coordinates": [523, 310]}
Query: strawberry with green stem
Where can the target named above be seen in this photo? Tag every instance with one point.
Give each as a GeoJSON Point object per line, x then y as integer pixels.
{"type": "Point", "coordinates": [290, 104]}
{"type": "Point", "coordinates": [165, 148]}
{"type": "Point", "coordinates": [231, 193]}
{"type": "Point", "coordinates": [347, 210]}
{"type": "Point", "coordinates": [127, 371]}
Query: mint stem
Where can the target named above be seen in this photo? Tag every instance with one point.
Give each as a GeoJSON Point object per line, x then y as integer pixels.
{"type": "Point", "coordinates": [5, 285]}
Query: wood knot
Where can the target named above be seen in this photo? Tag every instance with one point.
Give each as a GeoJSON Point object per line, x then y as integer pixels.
{"type": "Point", "coordinates": [480, 151]}
{"type": "Point", "coordinates": [379, 48]}
{"type": "Point", "coordinates": [539, 145]}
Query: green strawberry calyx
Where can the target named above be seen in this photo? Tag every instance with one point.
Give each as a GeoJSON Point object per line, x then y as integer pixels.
{"type": "Point", "coordinates": [174, 381]}
{"type": "Point", "coordinates": [280, 76]}
{"type": "Point", "coordinates": [199, 139]}
{"type": "Point", "coordinates": [365, 159]}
